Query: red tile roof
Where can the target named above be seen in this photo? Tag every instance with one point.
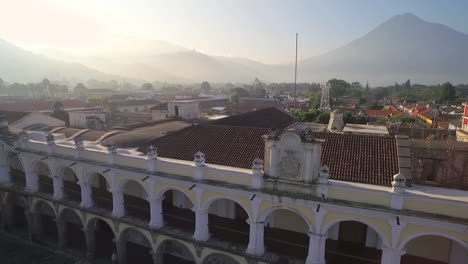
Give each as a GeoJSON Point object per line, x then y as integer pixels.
{"type": "Point", "coordinates": [223, 145]}
{"type": "Point", "coordinates": [42, 105]}
{"type": "Point", "coordinates": [384, 112]}
{"type": "Point", "coordinates": [270, 117]}
{"type": "Point", "coordinates": [358, 158]}
{"type": "Point", "coordinates": [355, 158]}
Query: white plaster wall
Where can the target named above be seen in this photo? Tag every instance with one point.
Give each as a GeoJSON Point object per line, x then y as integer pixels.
{"type": "Point", "coordinates": [78, 119]}
{"type": "Point", "coordinates": [288, 220]}
{"type": "Point", "coordinates": [187, 110]}
{"type": "Point", "coordinates": [134, 108]}
{"type": "Point", "coordinates": [430, 247]}
{"type": "Point", "coordinates": [223, 208]}
{"type": "Point", "coordinates": [158, 114]}
{"type": "Point", "coordinates": [458, 254]}
{"type": "Point", "coordinates": [334, 232]}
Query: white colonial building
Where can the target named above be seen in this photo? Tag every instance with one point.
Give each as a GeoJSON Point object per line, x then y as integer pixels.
{"type": "Point", "coordinates": [213, 193]}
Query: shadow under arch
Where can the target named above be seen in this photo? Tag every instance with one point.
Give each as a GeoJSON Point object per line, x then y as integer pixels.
{"type": "Point", "coordinates": [216, 258]}
{"type": "Point", "coordinates": [173, 251]}
{"type": "Point", "coordinates": [138, 247]}
{"type": "Point", "coordinates": [100, 190]}
{"type": "Point", "coordinates": [75, 237]}
{"type": "Point", "coordinates": [177, 209]}
{"type": "Point", "coordinates": [17, 175]}
{"type": "Point", "coordinates": [353, 239]}
{"type": "Point", "coordinates": [43, 172]}
{"type": "Point", "coordinates": [45, 230]}
{"type": "Point", "coordinates": [285, 232]}
{"type": "Point", "coordinates": [135, 199]}
{"type": "Point", "coordinates": [103, 237]}
{"type": "Point", "coordinates": [227, 220]}
{"type": "Point", "coordinates": [71, 186]}
{"type": "Point", "coordinates": [433, 247]}
{"type": "Point", "coordinates": [16, 207]}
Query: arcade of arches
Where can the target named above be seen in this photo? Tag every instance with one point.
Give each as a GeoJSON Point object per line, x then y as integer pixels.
{"type": "Point", "coordinates": [280, 234]}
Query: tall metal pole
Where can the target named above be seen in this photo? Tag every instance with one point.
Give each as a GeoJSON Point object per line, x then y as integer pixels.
{"type": "Point", "coordinates": [295, 77]}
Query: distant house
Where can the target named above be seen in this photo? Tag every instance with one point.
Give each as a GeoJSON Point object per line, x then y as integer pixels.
{"type": "Point", "coordinates": [130, 106]}
{"type": "Point", "coordinates": [31, 121]}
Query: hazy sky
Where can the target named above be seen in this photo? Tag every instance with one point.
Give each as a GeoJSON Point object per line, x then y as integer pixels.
{"type": "Point", "coordinates": [262, 30]}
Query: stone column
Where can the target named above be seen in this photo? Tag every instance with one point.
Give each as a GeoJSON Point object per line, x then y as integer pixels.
{"type": "Point", "coordinates": [391, 255]}
{"type": "Point", "coordinates": [157, 257]}
{"type": "Point", "coordinates": [256, 239]}
{"type": "Point", "coordinates": [32, 181]}
{"type": "Point", "coordinates": [316, 253]}
{"type": "Point", "coordinates": [34, 225]}
{"type": "Point", "coordinates": [86, 195]}
{"type": "Point", "coordinates": [156, 210]}
{"type": "Point", "coordinates": [90, 243]}
{"type": "Point", "coordinates": [62, 233]}
{"type": "Point", "coordinates": [121, 246]}
{"type": "Point", "coordinates": [5, 174]}
{"type": "Point", "coordinates": [58, 187]}
{"type": "Point", "coordinates": [201, 225]}
{"type": "Point", "coordinates": [118, 206]}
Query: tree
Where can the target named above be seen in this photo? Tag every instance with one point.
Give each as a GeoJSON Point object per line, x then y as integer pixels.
{"type": "Point", "coordinates": [241, 92]}
{"type": "Point", "coordinates": [375, 106]}
{"type": "Point", "coordinates": [338, 87]}
{"type": "Point", "coordinates": [205, 87]}
{"type": "Point", "coordinates": [95, 100]}
{"type": "Point", "coordinates": [147, 87]}
{"type": "Point", "coordinates": [314, 100]}
{"type": "Point", "coordinates": [446, 92]}
{"type": "Point", "coordinates": [80, 90]}
{"type": "Point", "coordinates": [234, 98]}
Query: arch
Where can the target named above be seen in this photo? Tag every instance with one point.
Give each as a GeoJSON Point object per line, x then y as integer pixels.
{"type": "Point", "coordinates": [44, 174]}
{"type": "Point", "coordinates": [91, 221]}
{"type": "Point", "coordinates": [71, 186]}
{"type": "Point", "coordinates": [452, 238]}
{"type": "Point", "coordinates": [137, 245]}
{"type": "Point", "coordinates": [268, 212]}
{"type": "Point", "coordinates": [123, 183]}
{"type": "Point", "coordinates": [218, 258]}
{"type": "Point", "coordinates": [135, 199]}
{"type": "Point", "coordinates": [100, 190]}
{"type": "Point", "coordinates": [104, 234]}
{"type": "Point", "coordinates": [62, 216]}
{"type": "Point", "coordinates": [383, 237]}
{"type": "Point", "coordinates": [160, 193]}
{"type": "Point", "coordinates": [176, 212]}
{"type": "Point", "coordinates": [17, 220]}
{"type": "Point", "coordinates": [169, 249]}
{"type": "Point", "coordinates": [217, 198]}
{"type": "Point", "coordinates": [41, 206]}
{"type": "Point", "coordinates": [17, 175]}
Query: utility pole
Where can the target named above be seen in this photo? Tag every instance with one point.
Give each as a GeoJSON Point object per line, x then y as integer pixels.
{"type": "Point", "coordinates": [295, 77]}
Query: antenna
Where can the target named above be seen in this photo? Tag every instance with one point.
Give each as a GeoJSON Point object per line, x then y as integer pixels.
{"type": "Point", "coordinates": [295, 76]}
{"type": "Point", "coordinates": [325, 100]}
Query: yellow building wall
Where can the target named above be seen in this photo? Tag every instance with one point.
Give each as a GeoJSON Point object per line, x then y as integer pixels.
{"type": "Point", "coordinates": [359, 196]}
{"type": "Point", "coordinates": [436, 208]}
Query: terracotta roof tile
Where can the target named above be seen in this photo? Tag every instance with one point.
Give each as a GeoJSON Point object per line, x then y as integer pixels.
{"type": "Point", "coordinates": [355, 158]}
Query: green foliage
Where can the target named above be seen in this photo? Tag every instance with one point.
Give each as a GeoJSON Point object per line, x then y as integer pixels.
{"type": "Point", "coordinates": [147, 87]}
{"type": "Point", "coordinates": [205, 87]}
{"type": "Point", "coordinates": [312, 116]}
{"type": "Point", "coordinates": [403, 119]}
{"type": "Point", "coordinates": [349, 118]}
{"type": "Point", "coordinates": [241, 92]}
{"type": "Point", "coordinates": [338, 87]}
{"type": "Point", "coordinates": [375, 106]}
{"type": "Point", "coordinates": [314, 100]}
{"type": "Point", "coordinates": [95, 100]}
{"type": "Point", "coordinates": [446, 92]}
{"type": "Point", "coordinates": [234, 97]}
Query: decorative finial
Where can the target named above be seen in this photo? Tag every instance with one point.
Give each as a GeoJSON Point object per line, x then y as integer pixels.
{"type": "Point", "coordinates": [78, 142]}
{"type": "Point", "coordinates": [23, 135]}
{"type": "Point", "coordinates": [257, 164]}
{"type": "Point", "coordinates": [112, 148]}
{"type": "Point", "coordinates": [199, 159]}
{"type": "Point", "coordinates": [324, 174]}
{"type": "Point", "coordinates": [50, 139]}
{"type": "Point", "coordinates": [152, 152]}
{"type": "Point", "coordinates": [399, 183]}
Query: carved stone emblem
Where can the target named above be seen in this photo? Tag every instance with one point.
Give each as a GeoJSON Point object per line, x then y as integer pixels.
{"type": "Point", "coordinates": [290, 166]}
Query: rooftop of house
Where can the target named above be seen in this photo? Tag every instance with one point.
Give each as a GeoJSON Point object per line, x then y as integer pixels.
{"type": "Point", "coordinates": [356, 158]}
{"type": "Point", "coordinates": [134, 102]}
{"type": "Point", "coordinates": [270, 117]}
{"type": "Point", "coordinates": [383, 112]}
{"type": "Point", "coordinates": [13, 116]}
{"type": "Point", "coordinates": [43, 105]}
